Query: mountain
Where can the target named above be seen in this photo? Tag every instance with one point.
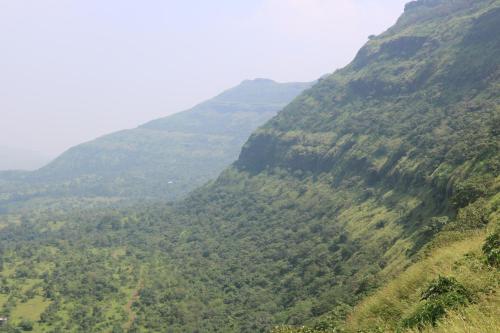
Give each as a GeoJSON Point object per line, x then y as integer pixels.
{"type": "Point", "coordinates": [343, 190]}
{"type": "Point", "coordinates": [370, 203]}
{"type": "Point", "coordinates": [165, 158]}
{"type": "Point", "coordinates": [20, 159]}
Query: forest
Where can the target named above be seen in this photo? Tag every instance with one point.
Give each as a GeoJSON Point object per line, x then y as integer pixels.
{"type": "Point", "coordinates": [370, 203]}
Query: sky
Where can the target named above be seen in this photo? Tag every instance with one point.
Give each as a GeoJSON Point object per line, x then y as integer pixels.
{"type": "Point", "coordinates": [73, 70]}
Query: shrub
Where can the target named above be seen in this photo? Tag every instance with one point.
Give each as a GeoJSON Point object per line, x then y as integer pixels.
{"type": "Point", "coordinates": [443, 286]}
{"type": "Point", "coordinates": [26, 325]}
{"type": "Point", "coordinates": [474, 216]}
{"type": "Point", "coordinates": [469, 191]}
{"type": "Point", "coordinates": [442, 294]}
{"type": "Point", "coordinates": [428, 312]}
{"type": "Point", "coordinates": [491, 249]}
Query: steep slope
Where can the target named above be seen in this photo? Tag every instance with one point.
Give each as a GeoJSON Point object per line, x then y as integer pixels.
{"type": "Point", "coordinates": [386, 170]}
{"type": "Point", "coordinates": [164, 158]}
{"type": "Point", "coordinates": [341, 190]}
{"type": "Point", "coordinates": [461, 258]}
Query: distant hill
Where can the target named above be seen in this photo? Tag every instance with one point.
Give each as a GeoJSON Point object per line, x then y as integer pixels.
{"type": "Point", "coordinates": [164, 158]}
{"type": "Point", "coordinates": [21, 159]}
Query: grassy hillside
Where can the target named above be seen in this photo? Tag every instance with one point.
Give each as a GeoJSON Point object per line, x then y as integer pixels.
{"type": "Point", "coordinates": [370, 203]}
{"type": "Point", "coordinates": [163, 159]}
{"type": "Point", "coordinates": [453, 286]}
{"type": "Point", "coordinates": [400, 306]}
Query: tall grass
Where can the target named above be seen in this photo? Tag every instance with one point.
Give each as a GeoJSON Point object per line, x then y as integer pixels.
{"type": "Point", "coordinates": [461, 259]}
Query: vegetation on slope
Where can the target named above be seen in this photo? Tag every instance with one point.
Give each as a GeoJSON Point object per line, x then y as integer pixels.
{"type": "Point", "coordinates": [456, 258]}
{"type": "Point", "coordinates": [339, 191]}
{"type": "Point", "coordinates": [339, 195]}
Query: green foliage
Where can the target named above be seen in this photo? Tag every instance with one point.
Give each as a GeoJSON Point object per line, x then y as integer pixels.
{"type": "Point", "coordinates": [329, 200]}
{"type": "Point", "coordinates": [443, 286]}
{"type": "Point", "coordinates": [441, 295]}
{"type": "Point", "coordinates": [491, 249]}
{"type": "Point", "coordinates": [473, 216]}
{"type": "Point", "coordinates": [26, 325]}
{"type": "Point", "coordinates": [470, 190]}
{"type": "Point", "coordinates": [427, 313]}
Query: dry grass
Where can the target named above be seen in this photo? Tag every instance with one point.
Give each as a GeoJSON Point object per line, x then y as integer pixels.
{"type": "Point", "coordinates": [460, 259]}
{"type": "Point", "coordinates": [482, 317]}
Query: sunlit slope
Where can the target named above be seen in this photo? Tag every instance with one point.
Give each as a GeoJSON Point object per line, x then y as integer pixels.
{"type": "Point", "coordinates": [368, 203]}
{"type": "Point", "coordinates": [339, 192]}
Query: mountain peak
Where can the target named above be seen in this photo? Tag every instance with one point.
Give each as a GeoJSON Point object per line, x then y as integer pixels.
{"type": "Point", "coordinates": [260, 90]}
{"type": "Point", "coordinates": [258, 80]}
{"type": "Point", "coordinates": [421, 3]}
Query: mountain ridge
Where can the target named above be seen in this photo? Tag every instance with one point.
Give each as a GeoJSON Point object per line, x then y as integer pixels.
{"type": "Point", "coordinates": [164, 158]}
{"type": "Point", "coordinates": [341, 190]}
{"type": "Point", "coordinates": [370, 203]}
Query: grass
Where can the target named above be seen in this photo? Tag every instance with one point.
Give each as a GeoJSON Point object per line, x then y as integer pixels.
{"type": "Point", "coordinates": [31, 310]}
{"type": "Point", "coordinates": [481, 317]}
{"type": "Point", "coordinates": [461, 259]}
{"type": "Point", "coordinates": [3, 299]}
{"type": "Point", "coordinates": [29, 283]}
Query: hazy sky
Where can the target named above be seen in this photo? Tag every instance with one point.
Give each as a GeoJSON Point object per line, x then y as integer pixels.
{"type": "Point", "coordinates": [73, 70]}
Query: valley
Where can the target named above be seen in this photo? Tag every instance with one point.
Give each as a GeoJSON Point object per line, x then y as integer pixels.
{"type": "Point", "coordinates": [367, 201]}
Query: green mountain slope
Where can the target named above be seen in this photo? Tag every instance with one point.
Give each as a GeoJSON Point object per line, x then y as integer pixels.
{"type": "Point", "coordinates": [341, 190]}
{"type": "Point", "coordinates": [164, 158]}
{"type": "Point", "coordinates": [341, 213]}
